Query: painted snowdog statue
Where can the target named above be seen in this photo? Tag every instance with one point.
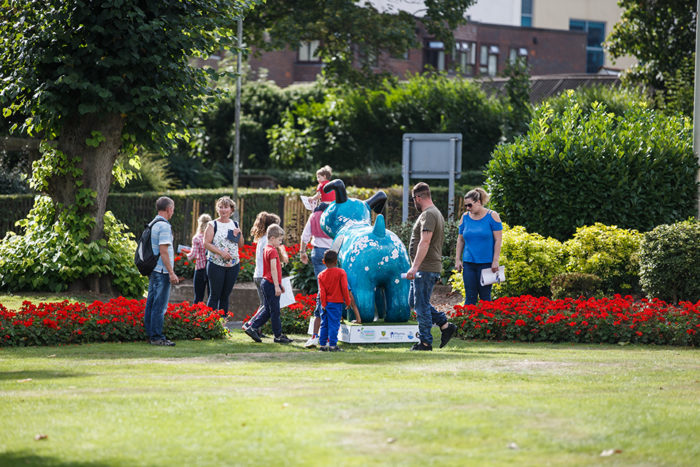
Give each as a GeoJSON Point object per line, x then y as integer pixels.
{"type": "Point", "coordinates": [372, 256]}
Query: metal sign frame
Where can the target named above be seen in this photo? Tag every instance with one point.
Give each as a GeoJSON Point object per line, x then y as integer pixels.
{"type": "Point", "coordinates": [432, 156]}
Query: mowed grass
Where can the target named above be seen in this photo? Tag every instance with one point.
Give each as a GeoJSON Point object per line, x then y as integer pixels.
{"type": "Point", "coordinates": [234, 402]}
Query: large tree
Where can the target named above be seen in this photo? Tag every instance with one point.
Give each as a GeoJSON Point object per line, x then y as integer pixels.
{"type": "Point", "coordinates": [99, 78]}
{"type": "Point", "coordinates": [661, 35]}
{"type": "Point", "coordinates": [351, 32]}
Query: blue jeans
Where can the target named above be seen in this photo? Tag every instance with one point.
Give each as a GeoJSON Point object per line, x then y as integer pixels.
{"type": "Point", "coordinates": [421, 290]}
{"type": "Point", "coordinates": [471, 275]}
{"type": "Point", "coordinates": [270, 310]}
{"type": "Point", "coordinates": [221, 282]}
{"type": "Point", "coordinates": [200, 284]}
{"type": "Point", "coordinates": [330, 323]}
{"type": "Point", "coordinates": [156, 305]}
{"type": "Point", "coordinates": [319, 267]}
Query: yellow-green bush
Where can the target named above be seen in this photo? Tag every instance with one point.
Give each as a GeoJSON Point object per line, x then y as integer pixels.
{"type": "Point", "coordinates": [531, 261]}
{"type": "Point", "coordinates": [608, 252]}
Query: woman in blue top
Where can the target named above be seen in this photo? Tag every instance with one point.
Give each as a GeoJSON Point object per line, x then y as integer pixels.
{"type": "Point", "coordinates": [478, 245]}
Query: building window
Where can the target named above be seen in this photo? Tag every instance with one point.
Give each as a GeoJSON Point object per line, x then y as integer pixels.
{"type": "Point", "coordinates": [435, 55]}
{"type": "Point", "coordinates": [368, 57]}
{"type": "Point", "coordinates": [464, 57]}
{"type": "Point", "coordinates": [308, 51]}
{"type": "Point", "coordinates": [400, 55]}
{"type": "Point", "coordinates": [595, 57]}
{"type": "Point", "coordinates": [488, 60]}
{"type": "Point", "coordinates": [526, 13]}
{"type": "Point", "coordinates": [517, 53]}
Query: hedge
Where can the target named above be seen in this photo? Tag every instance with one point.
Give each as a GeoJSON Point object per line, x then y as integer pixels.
{"type": "Point", "coordinates": [136, 209]}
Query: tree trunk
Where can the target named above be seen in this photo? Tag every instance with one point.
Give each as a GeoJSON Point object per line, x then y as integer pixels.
{"type": "Point", "coordinates": [96, 164]}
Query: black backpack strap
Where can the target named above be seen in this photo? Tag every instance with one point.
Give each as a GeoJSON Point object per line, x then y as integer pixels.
{"type": "Point", "coordinates": [154, 221]}
{"type": "Point", "coordinates": [215, 226]}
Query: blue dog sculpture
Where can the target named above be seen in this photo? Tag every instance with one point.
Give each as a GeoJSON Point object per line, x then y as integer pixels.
{"type": "Point", "coordinates": [372, 256]}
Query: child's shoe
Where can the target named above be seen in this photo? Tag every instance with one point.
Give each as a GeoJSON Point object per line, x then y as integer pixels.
{"type": "Point", "coordinates": [282, 339]}
{"type": "Point", "coordinates": [323, 348]}
{"type": "Point", "coordinates": [311, 343]}
{"type": "Point", "coordinates": [335, 348]}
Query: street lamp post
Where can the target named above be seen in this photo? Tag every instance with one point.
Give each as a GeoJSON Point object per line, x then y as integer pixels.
{"type": "Point", "coordinates": [237, 136]}
{"type": "Point", "coordinates": [696, 101]}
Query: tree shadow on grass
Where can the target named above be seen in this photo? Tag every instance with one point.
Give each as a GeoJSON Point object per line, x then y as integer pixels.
{"type": "Point", "coordinates": [36, 374]}
{"type": "Point", "coordinates": [31, 459]}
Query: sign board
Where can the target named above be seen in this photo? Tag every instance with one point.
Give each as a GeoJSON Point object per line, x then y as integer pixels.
{"type": "Point", "coordinates": [375, 333]}
{"type": "Point", "coordinates": [431, 156]}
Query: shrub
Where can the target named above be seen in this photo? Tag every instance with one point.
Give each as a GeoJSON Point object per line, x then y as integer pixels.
{"type": "Point", "coordinates": [617, 100]}
{"type": "Point", "coordinates": [608, 252]}
{"type": "Point", "coordinates": [353, 122]}
{"type": "Point", "coordinates": [531, 261]}
{"type": "Point", "coordinates": [575, 284]}
{"type": "Point", "coordinates": [596, 321]}
{"type": "Point", "coordinates": [670, 261]}
{"type": "Point", "coordinates": [304, 277]}
{"type": "Point", "coordinates": [573, 169]}
{"type": "Point", "coordinates": [53, 253]}
{"type": "Point", "coordinates": [118, 320]}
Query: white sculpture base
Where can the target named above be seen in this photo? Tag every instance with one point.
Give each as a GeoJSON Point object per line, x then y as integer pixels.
{"type": "Point", "coordinates": [375, 333]}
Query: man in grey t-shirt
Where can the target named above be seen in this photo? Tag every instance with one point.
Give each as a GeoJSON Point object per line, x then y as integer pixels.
{"type": "Point", "coordinates": [425, 249]}
{"type": "Point", "coordinates": [163, 275]}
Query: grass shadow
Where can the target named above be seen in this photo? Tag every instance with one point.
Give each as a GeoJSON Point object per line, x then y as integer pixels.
{"type": "Point", "coordinates": [31, 459]}
{"type": "Point", "coordinates": [36, 374]}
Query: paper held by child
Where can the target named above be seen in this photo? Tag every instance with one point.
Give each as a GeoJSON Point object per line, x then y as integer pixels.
{"type": "Point", "coordinates": [287, 297]}
{"type": "Point", "coordinates": [309, 203]}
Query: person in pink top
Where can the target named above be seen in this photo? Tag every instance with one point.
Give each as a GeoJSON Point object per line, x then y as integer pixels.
{"type": "Point", "coordinates": [199, 255]}
{"type": "Point", "coordinates": [321, 243]}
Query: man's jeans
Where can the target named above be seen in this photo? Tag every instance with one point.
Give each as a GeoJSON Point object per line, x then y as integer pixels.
{"type": "Point", "coordinates": [473, 290]}
{"type": "Point", "coordinates": [427, 315]}
{"type": "Point", "coordinates": [156, 304]}
{"type": "Point", "coordinates": [319, 267]}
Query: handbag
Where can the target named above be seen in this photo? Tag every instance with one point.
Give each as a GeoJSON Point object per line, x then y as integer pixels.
{"type": "Point", "coordinates": [489, 277]}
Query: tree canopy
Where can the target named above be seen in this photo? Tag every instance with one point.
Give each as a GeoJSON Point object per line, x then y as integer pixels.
{"type": "Point", "coordinates": [351, 32]}
{"type": "Point", "coordinates": [661, 35]}
{"type": "Point", "coordinates": [93, 80]}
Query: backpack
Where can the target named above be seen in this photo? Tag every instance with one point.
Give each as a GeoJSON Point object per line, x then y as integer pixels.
{"type": "Point", "coordinates": [144, 258]}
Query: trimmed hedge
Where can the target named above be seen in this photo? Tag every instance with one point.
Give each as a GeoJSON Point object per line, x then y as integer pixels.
{"type": "Point", "coordinates": [636, 171]}
{"type": "Point", "coordinates": [136, 209]}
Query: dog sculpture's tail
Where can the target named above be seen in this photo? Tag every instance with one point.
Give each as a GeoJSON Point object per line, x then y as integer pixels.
{"type": "Point", "coordinates": [379, 227]}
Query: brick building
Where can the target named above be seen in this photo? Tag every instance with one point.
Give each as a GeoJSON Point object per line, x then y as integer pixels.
{"type": "Point", "coordinates": [480, 50]}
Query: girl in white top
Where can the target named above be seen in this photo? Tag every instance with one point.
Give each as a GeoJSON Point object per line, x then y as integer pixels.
{"type": "Point", "coordinates": [222, 239]}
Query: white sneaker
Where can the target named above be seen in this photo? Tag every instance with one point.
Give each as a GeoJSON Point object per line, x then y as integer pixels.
{"type": "Point", "coordinates": [311, 343]}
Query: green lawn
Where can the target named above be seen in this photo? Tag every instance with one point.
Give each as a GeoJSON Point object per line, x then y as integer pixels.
{"type": "Point", "coordinates": [233, 402]}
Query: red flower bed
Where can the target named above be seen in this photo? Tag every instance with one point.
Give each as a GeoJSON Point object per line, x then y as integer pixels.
{"type": "Point", "coordinates": [606, 320]}
{"type": "Point", "coordinates": [119, 319]}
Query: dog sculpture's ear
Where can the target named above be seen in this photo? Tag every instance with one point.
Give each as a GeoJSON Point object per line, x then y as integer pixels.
{"type": "Point", "coordinates": [341, 195]}
{"type": "Point", "coordinates": [377, 201]}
